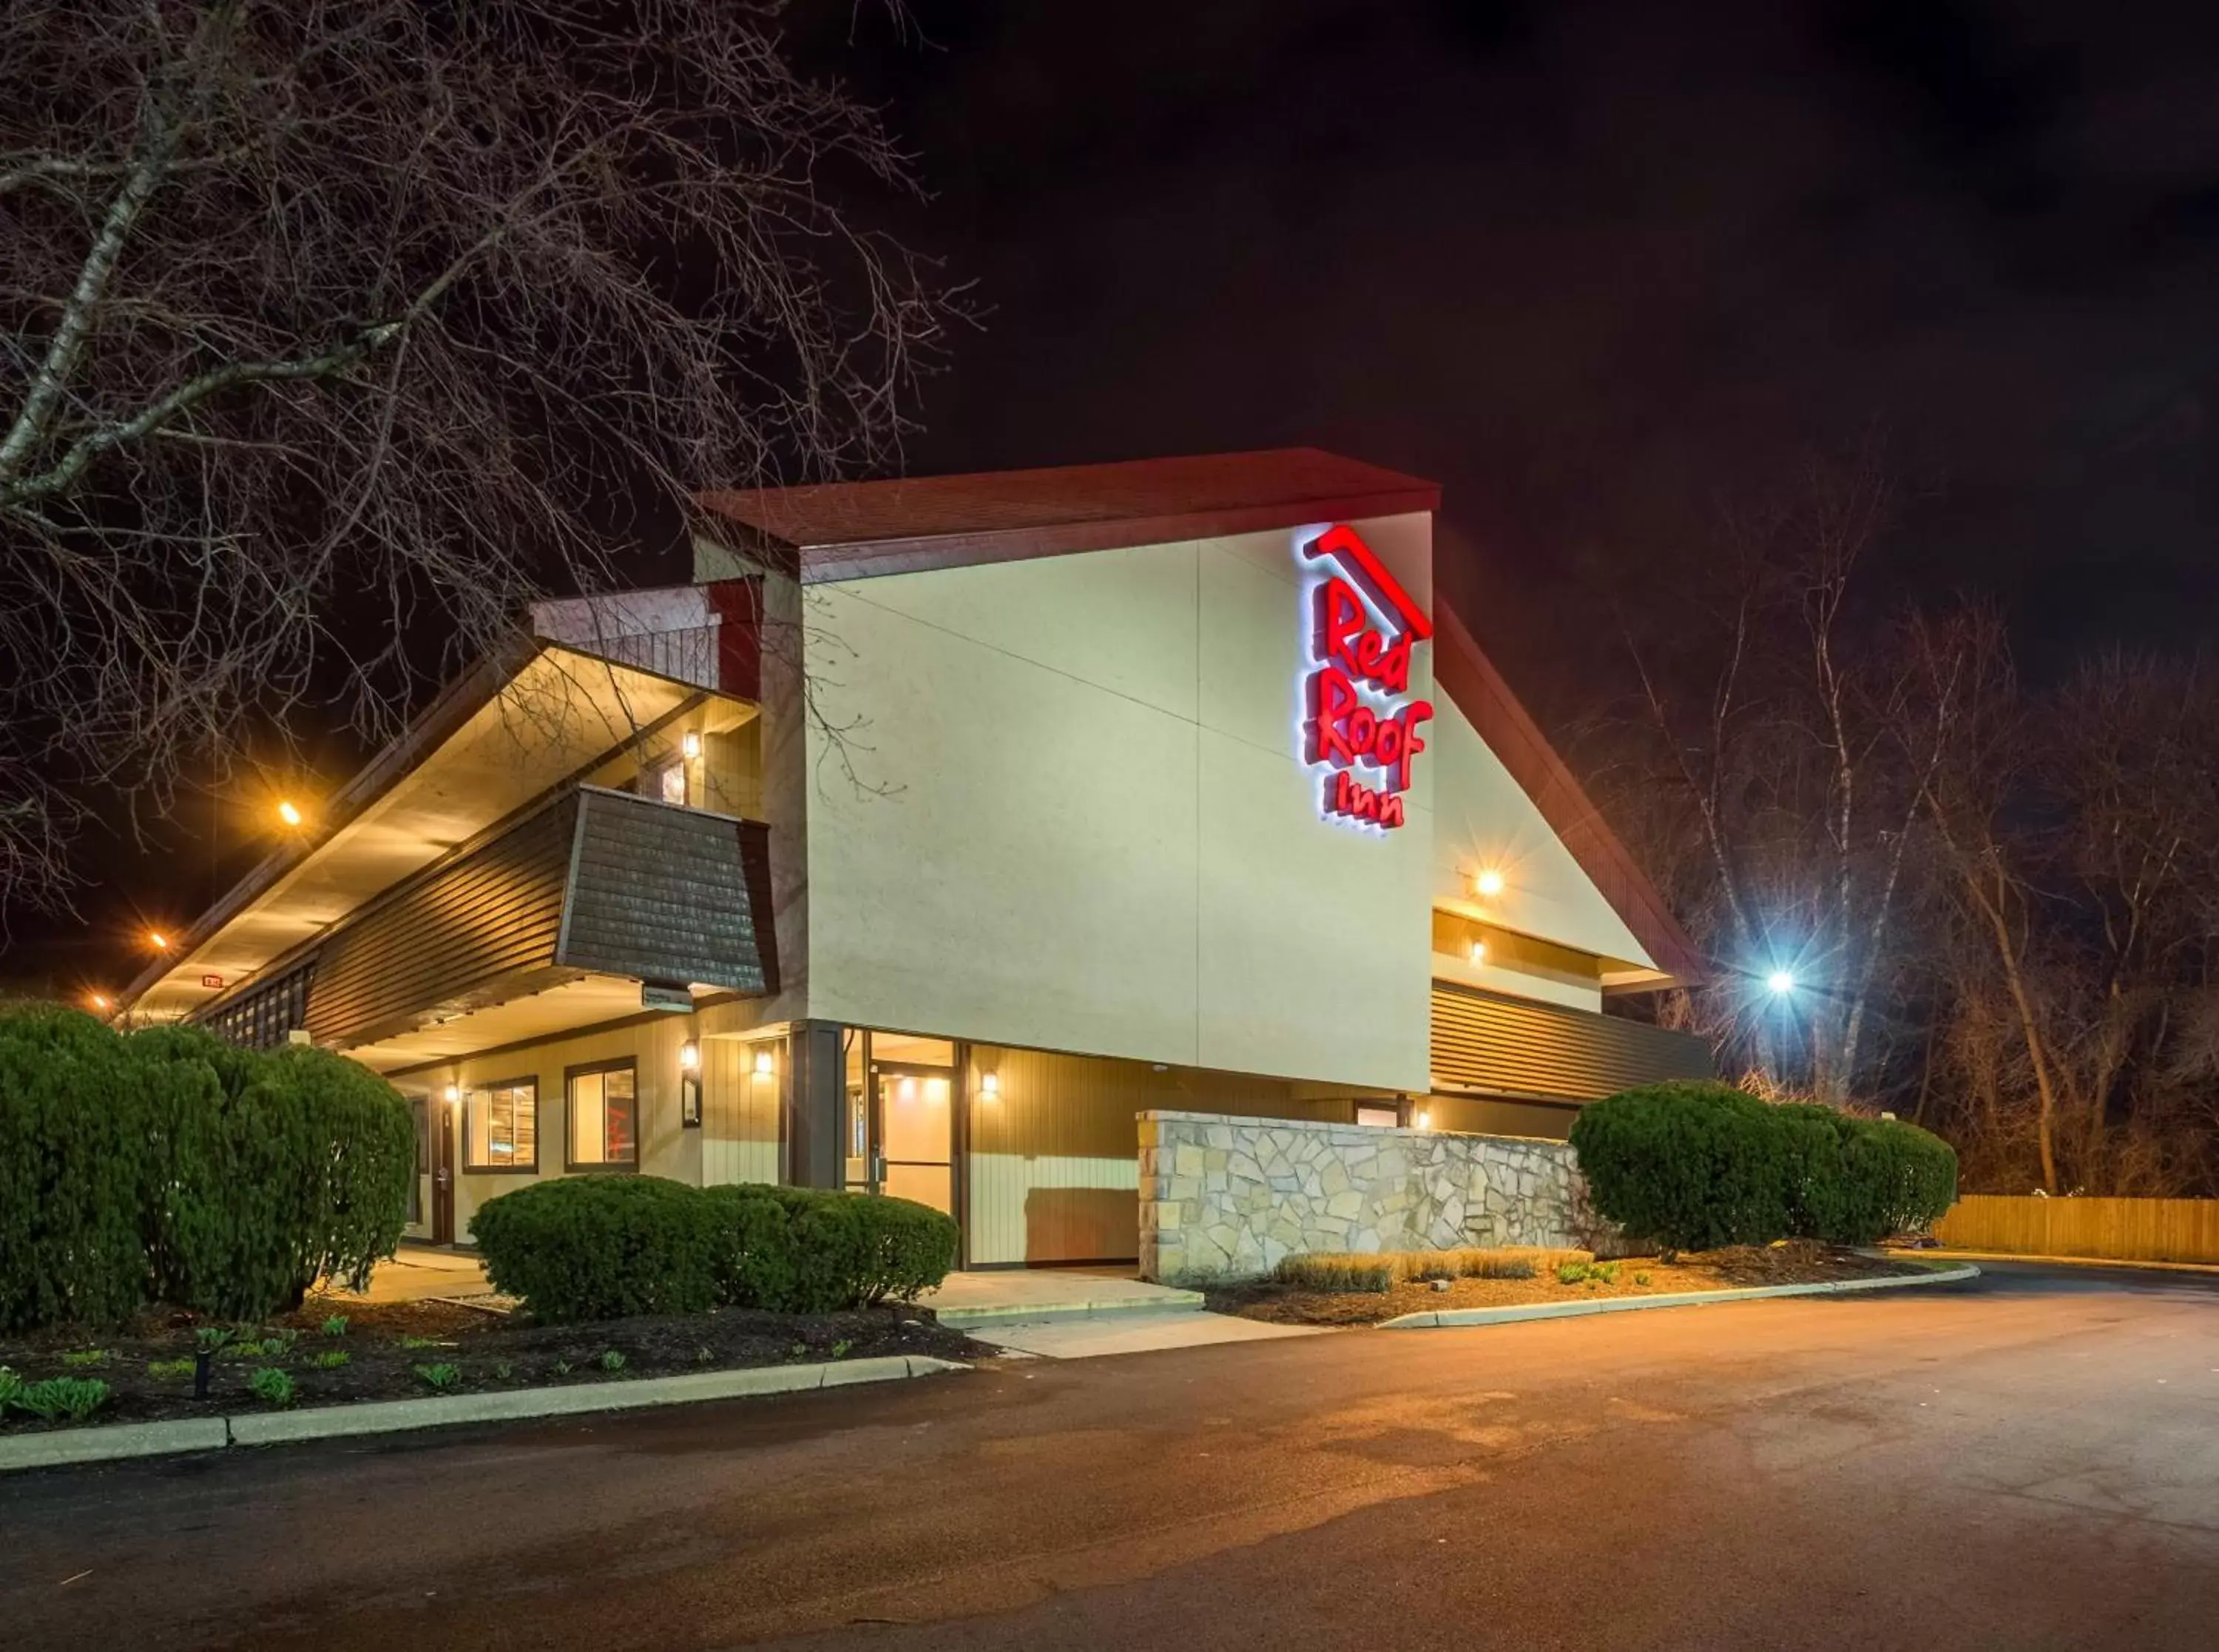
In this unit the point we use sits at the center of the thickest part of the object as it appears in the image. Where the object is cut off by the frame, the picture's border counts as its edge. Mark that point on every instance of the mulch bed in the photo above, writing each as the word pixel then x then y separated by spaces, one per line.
pixel 1794 1263
pixel 489 1350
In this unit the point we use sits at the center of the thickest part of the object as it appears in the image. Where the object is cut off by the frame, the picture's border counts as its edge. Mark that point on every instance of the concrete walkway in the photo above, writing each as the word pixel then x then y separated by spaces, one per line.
pixel 1003 1296
pixel 1133 1333
pixel 416 1271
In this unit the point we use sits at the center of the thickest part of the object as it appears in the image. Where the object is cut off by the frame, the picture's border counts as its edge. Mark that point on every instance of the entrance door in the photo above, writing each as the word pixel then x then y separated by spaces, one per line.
pixel 913 1127
pixel 443 1173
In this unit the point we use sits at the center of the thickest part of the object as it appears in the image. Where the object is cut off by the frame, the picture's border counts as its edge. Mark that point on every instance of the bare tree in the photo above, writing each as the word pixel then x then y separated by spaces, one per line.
pixel 328 328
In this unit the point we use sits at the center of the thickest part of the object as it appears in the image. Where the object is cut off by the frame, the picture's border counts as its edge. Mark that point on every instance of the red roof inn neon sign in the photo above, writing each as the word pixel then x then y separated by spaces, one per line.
pixel 1353 662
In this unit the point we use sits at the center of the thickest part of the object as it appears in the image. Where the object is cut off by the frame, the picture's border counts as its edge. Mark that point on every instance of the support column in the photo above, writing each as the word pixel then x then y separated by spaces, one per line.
pixel 815 1081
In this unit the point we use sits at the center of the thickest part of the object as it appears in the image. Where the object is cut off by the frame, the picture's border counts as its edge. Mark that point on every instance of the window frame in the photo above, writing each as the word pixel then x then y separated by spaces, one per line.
pixel 475 1095
pixel 586 1070
pixel 1401 1109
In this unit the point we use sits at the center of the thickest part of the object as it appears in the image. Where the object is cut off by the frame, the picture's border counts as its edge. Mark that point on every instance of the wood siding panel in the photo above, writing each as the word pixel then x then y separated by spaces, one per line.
pixel 1054 1162
pixel 441 939
pixel 1499 1045
pixel 665 894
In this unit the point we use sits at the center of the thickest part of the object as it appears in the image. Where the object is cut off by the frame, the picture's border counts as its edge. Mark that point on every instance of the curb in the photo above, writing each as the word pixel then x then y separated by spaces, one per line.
pixel 970 1319
pixel 119 1440
pixel 1450 1317
pixel 1951 1254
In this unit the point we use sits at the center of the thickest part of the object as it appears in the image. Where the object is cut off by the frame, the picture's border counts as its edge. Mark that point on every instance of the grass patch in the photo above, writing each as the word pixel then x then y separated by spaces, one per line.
pixel 169 1370
pixel 1382 1270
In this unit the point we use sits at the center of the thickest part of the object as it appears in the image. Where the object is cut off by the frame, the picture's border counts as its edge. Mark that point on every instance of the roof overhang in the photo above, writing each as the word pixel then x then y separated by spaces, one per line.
pixel 507 734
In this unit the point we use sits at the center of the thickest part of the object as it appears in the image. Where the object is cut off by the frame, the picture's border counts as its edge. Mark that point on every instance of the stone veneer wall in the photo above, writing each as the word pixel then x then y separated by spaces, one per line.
pixel 1224 1197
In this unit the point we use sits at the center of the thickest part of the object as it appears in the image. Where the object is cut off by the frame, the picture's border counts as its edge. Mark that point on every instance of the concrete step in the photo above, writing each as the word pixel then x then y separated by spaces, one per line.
pixel 1030 1308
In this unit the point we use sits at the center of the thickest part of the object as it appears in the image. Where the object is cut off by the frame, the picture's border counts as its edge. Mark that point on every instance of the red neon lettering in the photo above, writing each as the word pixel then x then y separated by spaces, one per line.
pixel 1343 544
pixel 1341 729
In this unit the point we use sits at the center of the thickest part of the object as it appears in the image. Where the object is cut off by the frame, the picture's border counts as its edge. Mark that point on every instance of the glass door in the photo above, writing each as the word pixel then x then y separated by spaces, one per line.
pixel 898 1129
pixel 916 1118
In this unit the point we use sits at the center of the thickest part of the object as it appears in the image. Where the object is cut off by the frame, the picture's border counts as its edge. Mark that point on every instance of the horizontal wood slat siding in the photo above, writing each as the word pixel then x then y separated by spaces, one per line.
pixel 492 913
pixel 663 894
pixel 1515 1046
pixel 2123 1230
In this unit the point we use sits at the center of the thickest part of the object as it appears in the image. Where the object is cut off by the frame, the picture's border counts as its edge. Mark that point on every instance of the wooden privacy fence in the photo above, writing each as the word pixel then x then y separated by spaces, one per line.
pixel 2124 1230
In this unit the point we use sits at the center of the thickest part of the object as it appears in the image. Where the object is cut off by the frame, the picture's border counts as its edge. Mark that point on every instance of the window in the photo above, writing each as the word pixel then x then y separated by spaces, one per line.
pixel 665 781
pixel 1385 1113
pixel 500 1126
pixel 603 1110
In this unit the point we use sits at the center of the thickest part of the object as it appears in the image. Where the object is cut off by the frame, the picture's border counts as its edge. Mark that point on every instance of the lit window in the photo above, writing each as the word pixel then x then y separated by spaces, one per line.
pixel 501 1127
pixel 1387 1116
pixel 672 783
pixel 604 1116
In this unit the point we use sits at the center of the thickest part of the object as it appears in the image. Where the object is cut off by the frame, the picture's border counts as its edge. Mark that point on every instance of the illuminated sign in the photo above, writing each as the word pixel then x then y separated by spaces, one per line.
pixel 1357 711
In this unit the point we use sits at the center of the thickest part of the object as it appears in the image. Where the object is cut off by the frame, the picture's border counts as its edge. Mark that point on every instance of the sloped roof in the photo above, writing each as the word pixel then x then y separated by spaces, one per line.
pixel 843 530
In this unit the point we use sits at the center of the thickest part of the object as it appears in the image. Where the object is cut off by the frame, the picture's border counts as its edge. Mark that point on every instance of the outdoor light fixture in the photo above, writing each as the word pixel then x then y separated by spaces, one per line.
pixel 158 940
pixel 1780 982
pixel 289 811
pixel 1479 952
pixel 454 1094
pixel 100 1000
pixel 1423 1120
pixel 689 1056
pixel 1487 884
pixel 990 1086
pixel 765 1063
pixel 691 744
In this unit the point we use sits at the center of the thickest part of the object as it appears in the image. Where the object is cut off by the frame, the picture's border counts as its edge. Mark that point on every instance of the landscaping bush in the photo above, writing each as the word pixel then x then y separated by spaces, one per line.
pixel 1695 1165
pixel 1692 1165
pixel 74 1152
pixel 601 1247
pixel 815 1250
pixel 1327 1270
pixel 269 1170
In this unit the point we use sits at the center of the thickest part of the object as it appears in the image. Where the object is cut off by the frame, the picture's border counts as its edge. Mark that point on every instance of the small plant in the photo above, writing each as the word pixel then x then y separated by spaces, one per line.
pixel 1641 1278
pixel 424 1342
pixel 212 1338
pixel 272 1386
pixel 1604 1273
pixel 62 1398
pixel 249 1348
pixel 800 1351
pixel 561 1368
pixel 279 1342
pixel 336 1326
pixel 702 1356
pixel 503 1370
pixel 1327 1272
pixel 440 1378
pixel 10 1386
pixel 329 1359
pixel 165 1370
pixel 840 1348
pixel 83 1359
pixel 611 1360
pixel 1571 1273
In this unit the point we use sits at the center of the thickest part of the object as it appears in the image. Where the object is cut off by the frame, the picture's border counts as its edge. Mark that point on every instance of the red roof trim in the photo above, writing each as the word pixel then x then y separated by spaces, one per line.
pixel 850 530
pixel 1469 678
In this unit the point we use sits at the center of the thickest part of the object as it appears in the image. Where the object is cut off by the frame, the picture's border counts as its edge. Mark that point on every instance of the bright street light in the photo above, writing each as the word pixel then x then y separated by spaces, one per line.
pixel 1781 981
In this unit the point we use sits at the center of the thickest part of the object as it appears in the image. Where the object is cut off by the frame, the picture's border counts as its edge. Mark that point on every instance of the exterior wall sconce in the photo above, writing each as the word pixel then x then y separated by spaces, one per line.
pixel 1486 883
pixel 1479 952
pixel 690 743
pixel 289 812
pixel 765 1063
pixel 989 1086
pixel 1421 1119
pixel 689 1057
pixel 454 1094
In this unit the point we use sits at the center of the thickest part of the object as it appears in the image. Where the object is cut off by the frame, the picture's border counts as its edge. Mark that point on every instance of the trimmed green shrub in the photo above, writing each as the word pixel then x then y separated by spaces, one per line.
pixel 62 1398
pixel 601 1247
pixel 1695 1165
pixel 73 1160
pixel 1691 1164
pixel 816 1251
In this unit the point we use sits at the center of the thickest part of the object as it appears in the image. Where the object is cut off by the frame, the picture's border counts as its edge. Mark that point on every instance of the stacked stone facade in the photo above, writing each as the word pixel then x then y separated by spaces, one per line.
pixel 1225 1198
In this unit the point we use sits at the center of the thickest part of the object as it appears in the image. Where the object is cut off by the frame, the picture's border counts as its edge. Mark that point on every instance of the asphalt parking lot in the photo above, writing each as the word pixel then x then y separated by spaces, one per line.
pixel 2027 1461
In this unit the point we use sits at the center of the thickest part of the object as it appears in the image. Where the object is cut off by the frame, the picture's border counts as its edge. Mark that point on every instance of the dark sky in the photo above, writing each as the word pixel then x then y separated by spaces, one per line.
pixel 1592 266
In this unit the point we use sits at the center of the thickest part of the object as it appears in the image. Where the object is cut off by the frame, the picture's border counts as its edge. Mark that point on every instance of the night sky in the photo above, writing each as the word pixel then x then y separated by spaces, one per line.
pixel 1593 267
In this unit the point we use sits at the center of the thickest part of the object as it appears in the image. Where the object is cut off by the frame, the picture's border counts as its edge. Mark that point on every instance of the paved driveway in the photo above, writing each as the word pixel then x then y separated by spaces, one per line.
pixel 2032 1460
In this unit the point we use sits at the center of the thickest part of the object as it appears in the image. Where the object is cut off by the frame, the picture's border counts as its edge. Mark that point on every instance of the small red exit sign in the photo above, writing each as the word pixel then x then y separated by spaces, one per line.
pixel 211 980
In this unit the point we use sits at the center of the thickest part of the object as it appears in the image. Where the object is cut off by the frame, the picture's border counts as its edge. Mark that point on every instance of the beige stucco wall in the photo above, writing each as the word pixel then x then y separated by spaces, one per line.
pixel 1482 818
pixel 1078 817
pixel 1225 1198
